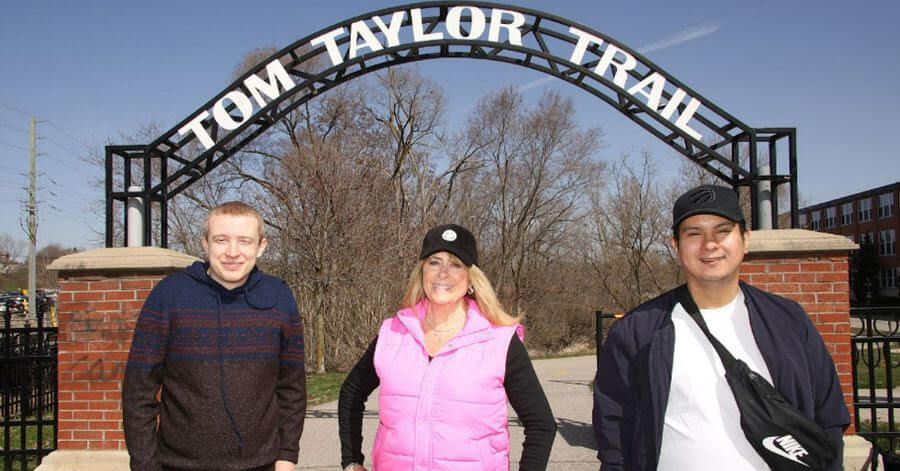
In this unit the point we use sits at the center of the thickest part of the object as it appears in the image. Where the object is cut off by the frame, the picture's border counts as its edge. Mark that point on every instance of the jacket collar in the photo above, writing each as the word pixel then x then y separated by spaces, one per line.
pixel 258 292
pixel 476 329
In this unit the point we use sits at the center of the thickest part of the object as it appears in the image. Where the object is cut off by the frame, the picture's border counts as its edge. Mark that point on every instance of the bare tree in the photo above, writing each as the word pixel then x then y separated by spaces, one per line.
pixel 538 165
pixel 331 207
pixel 16 276
pixel 348 182
pixel 408 108
pixel 629 252
pixel 11 250
pixel 43 258
pixel 690 175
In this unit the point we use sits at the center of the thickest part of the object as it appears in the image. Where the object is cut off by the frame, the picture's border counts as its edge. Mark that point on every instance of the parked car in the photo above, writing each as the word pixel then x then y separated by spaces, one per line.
pixel 15 304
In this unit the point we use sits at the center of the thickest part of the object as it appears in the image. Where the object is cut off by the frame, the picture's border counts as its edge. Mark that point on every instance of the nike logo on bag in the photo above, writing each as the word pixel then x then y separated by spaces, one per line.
pixel 787 447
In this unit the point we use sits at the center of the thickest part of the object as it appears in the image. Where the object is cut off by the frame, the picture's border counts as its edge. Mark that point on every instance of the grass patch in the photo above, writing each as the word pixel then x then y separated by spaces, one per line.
pixel 883 444
pixel 880 371
pixel 16 464
pixel 551 355
pixel 322 388
pixel 31 443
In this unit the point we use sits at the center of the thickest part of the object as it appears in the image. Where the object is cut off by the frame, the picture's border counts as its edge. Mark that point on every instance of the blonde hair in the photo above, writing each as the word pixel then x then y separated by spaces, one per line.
pixel 484 294
pixel 234 208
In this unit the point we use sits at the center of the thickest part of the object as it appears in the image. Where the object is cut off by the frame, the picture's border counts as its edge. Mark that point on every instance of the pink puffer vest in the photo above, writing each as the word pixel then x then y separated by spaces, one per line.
pixel 449 413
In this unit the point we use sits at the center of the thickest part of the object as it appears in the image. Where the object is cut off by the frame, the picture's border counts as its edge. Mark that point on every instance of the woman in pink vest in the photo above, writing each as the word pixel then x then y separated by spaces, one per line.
pixel 446 365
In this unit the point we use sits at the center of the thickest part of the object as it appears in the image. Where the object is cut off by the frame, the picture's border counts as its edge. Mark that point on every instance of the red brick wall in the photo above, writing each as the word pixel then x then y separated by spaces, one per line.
pixel 97 315
pixel 820 283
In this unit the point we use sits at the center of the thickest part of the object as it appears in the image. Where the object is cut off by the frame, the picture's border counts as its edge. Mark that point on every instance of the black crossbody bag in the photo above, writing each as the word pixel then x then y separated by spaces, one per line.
pixel 782 435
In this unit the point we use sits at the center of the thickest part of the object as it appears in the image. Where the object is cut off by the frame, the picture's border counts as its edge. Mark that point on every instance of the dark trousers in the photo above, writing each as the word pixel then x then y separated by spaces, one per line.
pixel 268 467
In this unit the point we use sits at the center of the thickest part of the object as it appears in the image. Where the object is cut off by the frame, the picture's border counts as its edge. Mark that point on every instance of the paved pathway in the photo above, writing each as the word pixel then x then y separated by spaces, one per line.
pixel 566 381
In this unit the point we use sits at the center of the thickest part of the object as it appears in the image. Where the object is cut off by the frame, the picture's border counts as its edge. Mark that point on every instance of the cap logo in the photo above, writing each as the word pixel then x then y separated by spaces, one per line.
pixel 703 197
pixel 449 235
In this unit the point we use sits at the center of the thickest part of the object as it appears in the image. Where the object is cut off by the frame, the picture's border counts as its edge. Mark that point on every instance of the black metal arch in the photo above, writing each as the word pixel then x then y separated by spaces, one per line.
pixel 547 42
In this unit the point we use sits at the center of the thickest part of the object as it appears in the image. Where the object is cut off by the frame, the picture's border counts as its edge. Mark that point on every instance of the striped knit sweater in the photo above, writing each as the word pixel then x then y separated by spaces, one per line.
pixel 231 367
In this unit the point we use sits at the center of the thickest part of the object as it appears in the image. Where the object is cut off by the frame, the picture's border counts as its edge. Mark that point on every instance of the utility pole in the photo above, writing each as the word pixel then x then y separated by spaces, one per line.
pixel 32 224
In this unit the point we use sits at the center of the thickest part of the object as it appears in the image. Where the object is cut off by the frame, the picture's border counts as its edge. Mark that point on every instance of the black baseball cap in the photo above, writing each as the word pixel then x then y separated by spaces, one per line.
pixel 707 199
pixel 451 238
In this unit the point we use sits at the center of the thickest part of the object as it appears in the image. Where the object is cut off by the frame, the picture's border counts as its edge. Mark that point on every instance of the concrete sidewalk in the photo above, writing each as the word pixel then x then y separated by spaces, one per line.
pixel 566 381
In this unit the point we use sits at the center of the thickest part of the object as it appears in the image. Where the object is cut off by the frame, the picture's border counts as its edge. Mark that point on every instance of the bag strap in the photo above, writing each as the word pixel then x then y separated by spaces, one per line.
pixel 687 302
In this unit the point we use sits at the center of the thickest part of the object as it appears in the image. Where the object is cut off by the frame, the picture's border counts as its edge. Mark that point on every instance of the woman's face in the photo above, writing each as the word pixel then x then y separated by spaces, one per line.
pixel 445 278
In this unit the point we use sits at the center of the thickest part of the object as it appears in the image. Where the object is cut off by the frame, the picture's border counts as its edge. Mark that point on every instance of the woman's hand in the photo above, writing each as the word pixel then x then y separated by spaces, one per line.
pixel 355 467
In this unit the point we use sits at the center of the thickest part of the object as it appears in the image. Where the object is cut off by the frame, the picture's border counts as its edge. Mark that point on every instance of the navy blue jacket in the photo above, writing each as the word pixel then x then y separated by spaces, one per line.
pixel 231 366
pixel 634 375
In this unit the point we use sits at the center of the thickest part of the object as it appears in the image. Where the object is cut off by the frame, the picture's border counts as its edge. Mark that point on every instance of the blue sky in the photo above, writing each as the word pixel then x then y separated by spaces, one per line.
pixel 95 70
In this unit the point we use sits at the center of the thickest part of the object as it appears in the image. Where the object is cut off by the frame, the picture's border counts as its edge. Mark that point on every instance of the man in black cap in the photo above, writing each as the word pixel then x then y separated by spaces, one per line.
pixel 660 396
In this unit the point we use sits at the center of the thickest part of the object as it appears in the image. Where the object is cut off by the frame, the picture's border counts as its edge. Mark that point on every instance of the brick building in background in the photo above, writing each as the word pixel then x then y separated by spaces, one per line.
pixel 873 215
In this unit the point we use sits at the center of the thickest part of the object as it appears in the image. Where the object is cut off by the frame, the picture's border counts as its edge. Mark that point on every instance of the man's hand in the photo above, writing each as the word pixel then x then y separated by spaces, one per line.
pixel 282 465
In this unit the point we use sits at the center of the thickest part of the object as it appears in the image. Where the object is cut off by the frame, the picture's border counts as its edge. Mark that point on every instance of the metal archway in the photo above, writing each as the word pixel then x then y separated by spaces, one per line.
pixel 564 49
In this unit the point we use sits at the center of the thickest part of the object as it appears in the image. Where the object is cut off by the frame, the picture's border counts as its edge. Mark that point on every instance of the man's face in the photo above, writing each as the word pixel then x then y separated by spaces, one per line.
pixel 711 248
pixel 232 246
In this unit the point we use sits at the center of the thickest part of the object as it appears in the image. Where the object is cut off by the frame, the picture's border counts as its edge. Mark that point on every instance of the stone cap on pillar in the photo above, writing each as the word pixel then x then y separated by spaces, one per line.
pixel 119 259
pixel 773 241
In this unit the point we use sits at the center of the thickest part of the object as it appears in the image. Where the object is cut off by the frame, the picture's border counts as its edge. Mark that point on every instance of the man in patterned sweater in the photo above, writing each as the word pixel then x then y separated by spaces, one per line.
pixel 224 343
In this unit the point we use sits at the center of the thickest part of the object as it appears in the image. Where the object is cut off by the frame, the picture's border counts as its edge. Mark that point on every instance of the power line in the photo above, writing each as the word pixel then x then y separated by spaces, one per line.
pixel 61 146
pixel 9 196
pixel 62 200
pixel 65 164
pixel 66 193
pixel 54 189
pixel 51 123
pixel 14 146
pixel 63 215
pixel 68 135
pixel 30 115
pixel 8 178
pixel 64 187
pixel 14 128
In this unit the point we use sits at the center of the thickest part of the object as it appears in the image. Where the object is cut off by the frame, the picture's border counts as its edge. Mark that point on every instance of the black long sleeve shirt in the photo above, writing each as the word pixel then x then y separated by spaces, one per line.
pixel 522 388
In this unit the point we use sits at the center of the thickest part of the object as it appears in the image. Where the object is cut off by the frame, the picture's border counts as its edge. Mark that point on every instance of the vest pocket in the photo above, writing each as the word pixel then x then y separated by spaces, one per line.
pixel 490 459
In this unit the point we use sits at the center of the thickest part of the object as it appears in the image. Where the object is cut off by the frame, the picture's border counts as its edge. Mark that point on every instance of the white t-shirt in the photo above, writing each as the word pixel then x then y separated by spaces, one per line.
pixel 702 427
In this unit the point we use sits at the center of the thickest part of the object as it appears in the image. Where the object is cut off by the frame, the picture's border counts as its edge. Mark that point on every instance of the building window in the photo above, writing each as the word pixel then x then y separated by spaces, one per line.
pixel 831 217
pixel 803 220
pixel 886 242
pixel 814 220
pixel 887 278
pixel 886 205
pixel 866 238
pixel 865 210
pixel 846 214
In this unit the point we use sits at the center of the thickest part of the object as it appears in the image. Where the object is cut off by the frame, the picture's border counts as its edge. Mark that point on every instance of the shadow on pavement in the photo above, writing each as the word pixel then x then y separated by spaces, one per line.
pixel 573 382
pixel 577 434
pixel 332 414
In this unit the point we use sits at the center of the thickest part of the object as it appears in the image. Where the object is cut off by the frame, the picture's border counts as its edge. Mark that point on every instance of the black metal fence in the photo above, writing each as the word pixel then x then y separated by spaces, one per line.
pixel 29 393
pixel 875 346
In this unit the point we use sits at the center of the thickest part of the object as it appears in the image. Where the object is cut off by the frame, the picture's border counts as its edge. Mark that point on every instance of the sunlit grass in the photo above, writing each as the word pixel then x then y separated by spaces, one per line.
pixel 322 388
pixel 31 442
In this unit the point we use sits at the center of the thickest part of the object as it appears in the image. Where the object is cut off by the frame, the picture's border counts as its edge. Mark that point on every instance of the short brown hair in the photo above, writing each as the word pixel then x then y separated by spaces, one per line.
pixel 234 208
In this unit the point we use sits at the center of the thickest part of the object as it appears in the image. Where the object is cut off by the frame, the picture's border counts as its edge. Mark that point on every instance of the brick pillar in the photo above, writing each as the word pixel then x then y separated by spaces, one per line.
pixel 101 294
pixel 810 268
